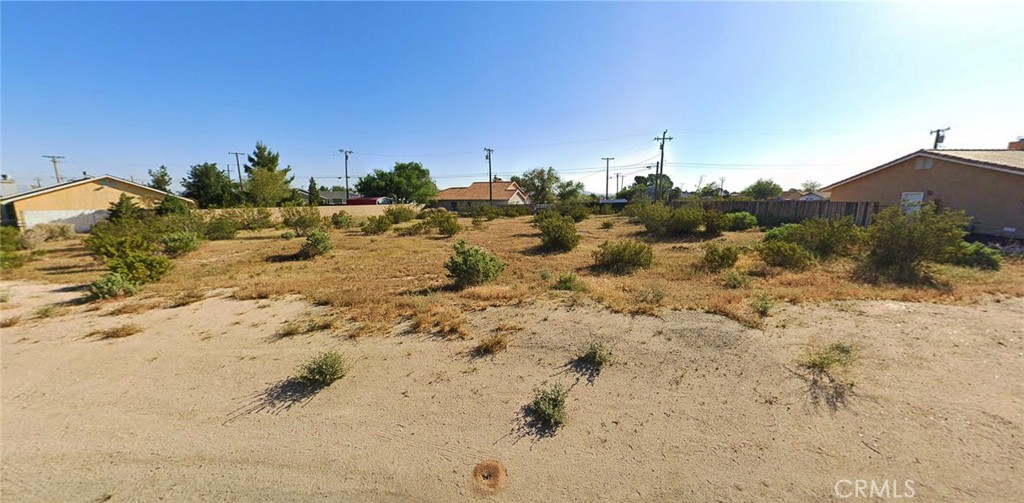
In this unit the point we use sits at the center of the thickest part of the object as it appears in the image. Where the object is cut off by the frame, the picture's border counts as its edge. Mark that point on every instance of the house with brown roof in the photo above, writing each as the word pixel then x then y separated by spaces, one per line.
pixel 80 203
pixel 478 193
pixel 987 184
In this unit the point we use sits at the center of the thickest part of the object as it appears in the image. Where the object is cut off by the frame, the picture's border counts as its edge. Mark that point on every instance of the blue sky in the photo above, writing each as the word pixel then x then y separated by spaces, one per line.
pixel 790 91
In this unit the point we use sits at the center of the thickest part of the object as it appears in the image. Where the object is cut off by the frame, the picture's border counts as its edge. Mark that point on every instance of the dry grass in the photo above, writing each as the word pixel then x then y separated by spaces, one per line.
pixel 10 321
pixel 440 319
pixel 51 311
pixel 307 325
pixel 493 344
pixel 118 332
pixel 135 307
pixel 379 280
pixel 187 297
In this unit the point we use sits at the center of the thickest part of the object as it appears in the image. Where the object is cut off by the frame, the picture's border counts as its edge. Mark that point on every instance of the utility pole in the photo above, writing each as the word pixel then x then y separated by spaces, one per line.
pixel 940 137
pixel 490 178
pixel 55 159
pixel 238 166
pixel 617 188
pixel 721 186
pixel 661 165
pixel 346 152
pixel 39 182
pixel 606 176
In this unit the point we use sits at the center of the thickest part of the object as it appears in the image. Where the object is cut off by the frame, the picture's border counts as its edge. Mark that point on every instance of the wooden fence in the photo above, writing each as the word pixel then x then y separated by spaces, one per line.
pixel 773 212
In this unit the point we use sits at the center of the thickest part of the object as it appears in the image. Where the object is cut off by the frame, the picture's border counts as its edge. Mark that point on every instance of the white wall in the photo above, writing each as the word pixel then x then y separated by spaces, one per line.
pixel 82 220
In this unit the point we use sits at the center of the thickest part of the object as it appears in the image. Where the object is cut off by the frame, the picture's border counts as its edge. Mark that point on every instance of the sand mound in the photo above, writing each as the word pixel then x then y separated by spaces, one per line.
pixel 490 476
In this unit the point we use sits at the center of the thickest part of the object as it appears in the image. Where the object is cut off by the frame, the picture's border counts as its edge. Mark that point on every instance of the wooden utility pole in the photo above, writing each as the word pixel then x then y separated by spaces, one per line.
pixel 606 175
pixel 490 178
pixel 55 159
pixel 661 165
pixel 346 152
pixel 238 166
pixel 940 137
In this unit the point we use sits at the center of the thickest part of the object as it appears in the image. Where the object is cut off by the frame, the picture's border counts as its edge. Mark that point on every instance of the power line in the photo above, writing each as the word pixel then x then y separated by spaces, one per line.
pixel 940 137
pixel 55 159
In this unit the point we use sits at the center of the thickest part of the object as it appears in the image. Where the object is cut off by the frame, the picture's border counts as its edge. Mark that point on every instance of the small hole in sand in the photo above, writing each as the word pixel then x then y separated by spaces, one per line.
pixel 490 475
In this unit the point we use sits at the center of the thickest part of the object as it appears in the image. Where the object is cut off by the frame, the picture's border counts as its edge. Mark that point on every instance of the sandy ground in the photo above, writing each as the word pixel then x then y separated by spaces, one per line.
pixel 694 408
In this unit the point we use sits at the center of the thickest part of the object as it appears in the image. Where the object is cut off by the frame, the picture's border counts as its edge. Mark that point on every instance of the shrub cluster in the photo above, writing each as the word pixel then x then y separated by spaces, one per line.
pixel 323 370
pixel 624 256
pixel 741 221
pixel 446 224
pixel 180 243
pixel 222 227
pixel 569 282
pixel 251 219
pixel 399 213
pixel 301 219
pixel 376 225
pixel 975 255
pixel 717 257
pixel 317 243
pixel 489 212
pixel 784 254
pixel 661 220
pixel 572 208
pixel 557 232
pixel 900 243
pixel 471 265
pixel 342 220
pixel 112 285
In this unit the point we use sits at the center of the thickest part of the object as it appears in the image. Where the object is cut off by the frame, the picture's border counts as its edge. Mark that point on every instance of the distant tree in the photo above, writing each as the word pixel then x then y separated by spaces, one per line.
pixel 763 189
pixel 710 190
pixel 337 188
pixel 314 193
pixel 569 190
pixel 160 179
pixel 810 186
pixel 540 184
pixel 407 182
pixel 268 185
pixel 172 206
pixel 124 209
pixel 209 187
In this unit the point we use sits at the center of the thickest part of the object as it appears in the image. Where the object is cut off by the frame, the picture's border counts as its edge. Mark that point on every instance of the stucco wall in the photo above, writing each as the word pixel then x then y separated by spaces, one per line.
pixel 78 204
pixel 995 199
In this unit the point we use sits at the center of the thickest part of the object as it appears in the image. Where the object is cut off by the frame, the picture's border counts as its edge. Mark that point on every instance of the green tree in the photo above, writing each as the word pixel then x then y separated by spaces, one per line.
pixel 810 186
pixel 407 182
pixel 569 190
pixel 268 184
pixel 763 189
pixel 172 206
pixel 124 209
pixel 314 192
pixel 160 179
pixel 710 190
pixel 209 187
pixel 540 184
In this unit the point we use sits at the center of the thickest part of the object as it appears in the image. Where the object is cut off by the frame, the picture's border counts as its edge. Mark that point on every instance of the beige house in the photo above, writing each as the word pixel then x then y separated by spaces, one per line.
pixel 80 203
pixel 503 193
pixel 987 184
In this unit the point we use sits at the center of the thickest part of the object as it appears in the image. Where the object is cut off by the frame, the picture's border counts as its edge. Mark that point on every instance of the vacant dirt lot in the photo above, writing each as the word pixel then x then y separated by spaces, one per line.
pixel 695 407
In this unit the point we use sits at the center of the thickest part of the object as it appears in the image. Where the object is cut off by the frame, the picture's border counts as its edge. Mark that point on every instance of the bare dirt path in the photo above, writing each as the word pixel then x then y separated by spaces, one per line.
pixel 694 408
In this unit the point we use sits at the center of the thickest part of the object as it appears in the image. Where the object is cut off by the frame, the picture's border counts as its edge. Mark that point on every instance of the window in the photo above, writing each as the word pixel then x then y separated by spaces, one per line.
pixel 923 163
pixel 911 201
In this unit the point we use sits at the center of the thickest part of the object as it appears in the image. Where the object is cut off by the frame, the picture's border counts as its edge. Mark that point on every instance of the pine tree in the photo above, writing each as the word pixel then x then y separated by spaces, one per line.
pixel 267 185
pixel 124 209
pixel 160 179
pixel 314 193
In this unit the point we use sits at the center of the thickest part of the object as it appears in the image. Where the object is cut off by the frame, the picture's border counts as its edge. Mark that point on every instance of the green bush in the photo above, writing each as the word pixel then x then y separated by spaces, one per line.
pixel 569 282
pixel 416 229
pixel 447 224
pixel 112 285
pixel 780 233
pixel 140 268
pixel 717 257
pixel 9 238
pixel 301 219
pixel 472 265
pixel 222 227
pixel 111 240
pixel 287 235
pixel 177 244
pixel 900 243
pixel 323 370
pixel 342 220
pixel 399 213
pixel 56 232
pixel 715 223
pixel 572 208
pixel 734 279
pixel 654 217
pixel 252 219
pixel 317 243
pixel 484 211
pixel 178 223
pixel 683 221
pixel 607 224
pixel 624 256
pixel 762 305
pixel 558 233
pixel 784 254
pixel 11 260
pixel 376 225
pixel 548 406
pixel 596 355
pixel 172 206
pixel 741 221
pixel 975 255
pixel 823 237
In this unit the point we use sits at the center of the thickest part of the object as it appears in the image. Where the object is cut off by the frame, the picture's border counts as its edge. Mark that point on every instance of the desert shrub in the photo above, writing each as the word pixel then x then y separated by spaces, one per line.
pixel 715 223
pixel 140 267
pixel 684 221
pixel 323 370
pixel 113 285
pixel 636 207
pixel 762 305
pixel 477 223
pixel 177 244
pixel 471 265
pixel 301 219
pixel 734 279
pixel 785 255
pixel 572 208
pixel 9 238
pixel 111 240
pixel 252 219
pixel 570 282
pixel 31 239
pixel 607 224
pixel 376 225
pixel 900 243
pixel 177 222
pixel 287 235
pixel 399 213
pixel 829 358
pixel 222 227
pixel 515 210
pixel 125 209
pixel 548 406
pixel 780 233
pixel 654 217
pixel 484 211
pixel 11 260
pixel 650 296
pixel 823 237
pixel 342 220
pixel 975 255
pixel 416 229
pixel 596 355
pixel 717 257
pixel 558 233
pixel 56 232
pixel 494 344
pixel 317 243
pixel 172 206
pixel 741 221
pixel 447 224
pixel 624 256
